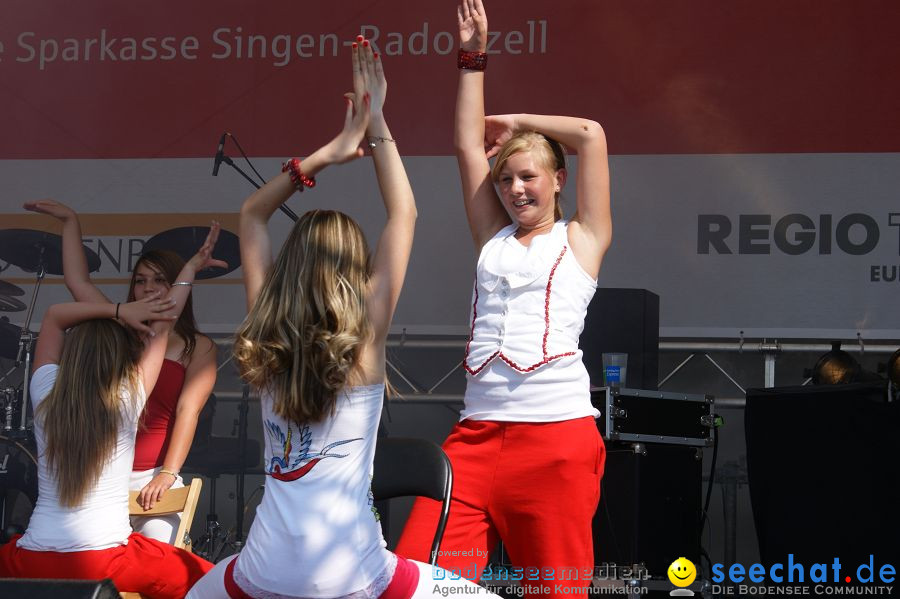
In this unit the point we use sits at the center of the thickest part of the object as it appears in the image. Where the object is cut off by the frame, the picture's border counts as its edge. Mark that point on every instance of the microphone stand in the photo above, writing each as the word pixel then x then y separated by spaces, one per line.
pixel 226 160
pixel 26 347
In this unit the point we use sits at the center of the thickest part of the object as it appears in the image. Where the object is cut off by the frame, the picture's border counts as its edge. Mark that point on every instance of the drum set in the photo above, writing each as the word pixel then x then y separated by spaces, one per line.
pixel 41 253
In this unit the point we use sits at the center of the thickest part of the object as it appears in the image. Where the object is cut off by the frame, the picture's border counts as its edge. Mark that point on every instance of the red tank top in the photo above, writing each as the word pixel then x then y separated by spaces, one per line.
pixel 158 418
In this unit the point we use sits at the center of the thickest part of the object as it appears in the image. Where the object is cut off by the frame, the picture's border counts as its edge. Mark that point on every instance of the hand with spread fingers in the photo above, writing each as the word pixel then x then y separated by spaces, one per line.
pixel 153 307
pixel 203 258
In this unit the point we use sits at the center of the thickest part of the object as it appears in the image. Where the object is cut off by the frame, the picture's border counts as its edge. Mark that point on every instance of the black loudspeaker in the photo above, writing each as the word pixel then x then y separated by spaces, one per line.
pixel 650 506
pixel 47 588
pixel 627 321
pixel 822 463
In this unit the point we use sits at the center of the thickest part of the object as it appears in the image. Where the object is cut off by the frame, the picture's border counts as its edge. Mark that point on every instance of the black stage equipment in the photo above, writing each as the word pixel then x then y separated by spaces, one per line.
pixel 212 456
pixel 837 367
pixel 650 506
pixel 893 368
pixel 627 321
pixel 48 588
pixel 650 501
pixel 185 241
pixel 823 470
pixel 222 157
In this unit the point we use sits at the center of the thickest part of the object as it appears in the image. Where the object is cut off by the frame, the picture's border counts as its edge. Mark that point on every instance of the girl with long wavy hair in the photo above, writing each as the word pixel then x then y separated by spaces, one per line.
pixel 313 345
pixel 90 382
pixel 526 454
pixel 185 382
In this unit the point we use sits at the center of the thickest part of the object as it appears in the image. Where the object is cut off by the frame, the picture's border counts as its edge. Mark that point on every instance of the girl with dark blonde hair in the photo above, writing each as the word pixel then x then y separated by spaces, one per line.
pixel 313 345
pixel 185 382
pixel 88 389
pixel 526 454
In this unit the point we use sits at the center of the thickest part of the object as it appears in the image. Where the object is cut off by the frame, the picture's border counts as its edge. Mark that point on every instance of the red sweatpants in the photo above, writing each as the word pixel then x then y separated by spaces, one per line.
pixel 143 565
pixel 533 485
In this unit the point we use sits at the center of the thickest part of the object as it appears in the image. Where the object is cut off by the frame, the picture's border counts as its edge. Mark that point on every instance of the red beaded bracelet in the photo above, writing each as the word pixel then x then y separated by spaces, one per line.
pixel 292 167
pixel 473 61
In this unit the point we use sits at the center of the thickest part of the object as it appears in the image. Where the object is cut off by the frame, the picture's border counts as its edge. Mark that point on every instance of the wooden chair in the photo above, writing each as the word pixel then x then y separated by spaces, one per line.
pixel 182 500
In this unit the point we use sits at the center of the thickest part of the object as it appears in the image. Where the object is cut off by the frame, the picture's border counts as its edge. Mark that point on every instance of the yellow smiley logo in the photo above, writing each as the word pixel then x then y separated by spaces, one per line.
pixel 682 572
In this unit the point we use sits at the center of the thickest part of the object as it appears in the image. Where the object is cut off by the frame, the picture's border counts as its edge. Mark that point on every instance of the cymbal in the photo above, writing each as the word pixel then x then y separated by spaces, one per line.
pixel 10 304
pixel 185 241
pixel 10 289
pixel 29 249
pixel 9 339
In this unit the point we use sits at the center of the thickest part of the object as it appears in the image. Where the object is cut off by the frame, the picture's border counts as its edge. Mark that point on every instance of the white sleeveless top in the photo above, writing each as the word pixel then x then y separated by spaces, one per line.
pixel 316 532
pixel 528 307
pixel 101 520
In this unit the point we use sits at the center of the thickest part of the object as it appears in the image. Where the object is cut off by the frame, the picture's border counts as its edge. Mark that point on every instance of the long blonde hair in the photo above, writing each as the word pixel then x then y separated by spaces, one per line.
pixel 303 337
pixel 549 152
pixel 82 414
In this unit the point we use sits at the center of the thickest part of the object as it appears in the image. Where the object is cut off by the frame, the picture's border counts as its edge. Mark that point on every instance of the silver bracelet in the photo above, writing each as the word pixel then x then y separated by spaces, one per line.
pixel 185 283
pixel 374 138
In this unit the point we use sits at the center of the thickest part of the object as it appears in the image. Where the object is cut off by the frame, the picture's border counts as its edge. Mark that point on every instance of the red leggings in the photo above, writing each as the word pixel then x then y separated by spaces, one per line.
pixel 143 565
pixel 533 485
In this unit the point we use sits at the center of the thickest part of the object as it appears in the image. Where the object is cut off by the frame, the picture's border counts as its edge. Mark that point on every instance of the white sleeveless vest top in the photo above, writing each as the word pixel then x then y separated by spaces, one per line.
pixel 528 307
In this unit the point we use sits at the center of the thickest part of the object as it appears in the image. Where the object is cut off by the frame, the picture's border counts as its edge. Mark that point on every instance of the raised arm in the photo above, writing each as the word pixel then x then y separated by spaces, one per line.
pixel 484 211
pixel 392 252
pixel 155 351
pixel 200 376
pixel 60 317
pixel 75 267
pixel 256 247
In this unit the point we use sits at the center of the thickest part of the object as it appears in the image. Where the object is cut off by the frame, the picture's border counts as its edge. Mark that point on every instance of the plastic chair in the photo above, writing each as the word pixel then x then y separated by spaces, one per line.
pixel 414 467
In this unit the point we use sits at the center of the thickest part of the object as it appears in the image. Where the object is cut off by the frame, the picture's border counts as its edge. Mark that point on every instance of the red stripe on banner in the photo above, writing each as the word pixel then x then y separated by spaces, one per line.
pixel 695 76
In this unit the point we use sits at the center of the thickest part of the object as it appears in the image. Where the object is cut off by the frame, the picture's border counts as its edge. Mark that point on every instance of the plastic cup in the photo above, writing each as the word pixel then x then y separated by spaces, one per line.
pixel 615 368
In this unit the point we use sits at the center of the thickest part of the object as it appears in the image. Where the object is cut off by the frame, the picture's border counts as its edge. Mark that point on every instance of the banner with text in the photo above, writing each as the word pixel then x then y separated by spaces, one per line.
pixel 755 161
